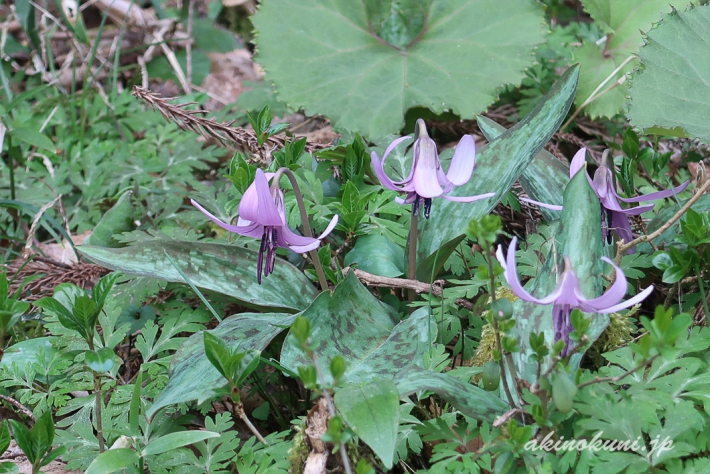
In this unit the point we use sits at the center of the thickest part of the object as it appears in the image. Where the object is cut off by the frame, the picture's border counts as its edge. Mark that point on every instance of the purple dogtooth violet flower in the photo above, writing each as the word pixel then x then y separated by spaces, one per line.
pixel 262 216
pixel 426 179
pixel 568 294
pixel 614 217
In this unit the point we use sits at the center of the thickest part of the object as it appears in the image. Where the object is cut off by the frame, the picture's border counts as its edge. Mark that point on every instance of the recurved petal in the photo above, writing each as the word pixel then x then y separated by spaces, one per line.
pixel 657 195
pixel 628 303
pixel 511 275
pixel 381 165
pixel 614 294
pixel 254 229
pixel 329 229
pixel 468 198
pixel 297 243
pixel 554 207
pixel 577 162
pixel 635 211
pixel 463 161
pixel 380 172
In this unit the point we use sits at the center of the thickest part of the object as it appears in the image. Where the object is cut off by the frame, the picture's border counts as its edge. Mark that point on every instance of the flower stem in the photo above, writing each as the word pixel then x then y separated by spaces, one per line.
pixel 239 412
pixel 412 258
pixel 496 333
pixel 97 412
pixel 304 220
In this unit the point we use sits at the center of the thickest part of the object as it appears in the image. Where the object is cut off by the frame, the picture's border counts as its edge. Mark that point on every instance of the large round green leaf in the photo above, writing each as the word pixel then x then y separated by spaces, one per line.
pixel 672 87
pixel 621 20
pixel 363 63
pixel 226 269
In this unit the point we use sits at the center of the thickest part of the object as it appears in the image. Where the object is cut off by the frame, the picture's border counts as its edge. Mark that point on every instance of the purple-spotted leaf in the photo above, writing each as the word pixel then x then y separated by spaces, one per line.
pixel 226 269
pixel 579 238
pixel 364 331
pixel 193 377
pixel 466 398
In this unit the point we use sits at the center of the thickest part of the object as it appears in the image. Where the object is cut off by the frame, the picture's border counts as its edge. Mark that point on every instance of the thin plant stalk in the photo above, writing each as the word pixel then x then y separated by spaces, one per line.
pixel 239 412
pixel 499 346
pixel 412 259
pixel 97 406
pixel 304 220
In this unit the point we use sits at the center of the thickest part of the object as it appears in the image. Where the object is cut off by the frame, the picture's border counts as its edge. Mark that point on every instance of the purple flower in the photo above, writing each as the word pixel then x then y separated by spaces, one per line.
pixel 568 294
pixel 426 179
pixel 261 216
pixel 614 217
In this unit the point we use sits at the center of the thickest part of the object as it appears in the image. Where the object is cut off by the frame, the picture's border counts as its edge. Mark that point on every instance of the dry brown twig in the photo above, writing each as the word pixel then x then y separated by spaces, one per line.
pixel 224 133
pixel 437 288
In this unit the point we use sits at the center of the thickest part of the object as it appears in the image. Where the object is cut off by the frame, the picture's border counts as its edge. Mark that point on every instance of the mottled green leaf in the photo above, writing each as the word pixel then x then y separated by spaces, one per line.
pixel 671 88
pixel 372 412
pixel 378 255
pixel 467 398
pixel 544 179
pixel 192 376
pixel 363 84
pixel 621 20
pixel 226 269
pixel 357 326
pixel 580 239
pixel 498 165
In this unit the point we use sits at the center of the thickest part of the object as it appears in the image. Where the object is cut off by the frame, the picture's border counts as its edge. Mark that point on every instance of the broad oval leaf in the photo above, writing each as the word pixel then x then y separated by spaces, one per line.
pixel 372 412
pixel 454 58
pixel 193 377
pixel 498 165
pixel 355 325
pixel 112 461
pixel 671 87
pixel 466 398
pixel 226 269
